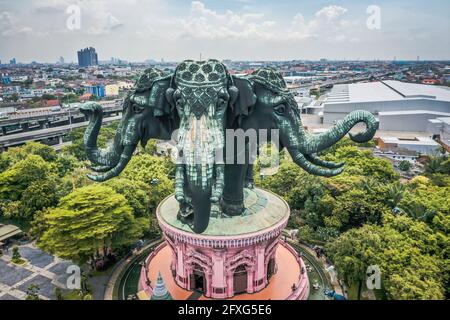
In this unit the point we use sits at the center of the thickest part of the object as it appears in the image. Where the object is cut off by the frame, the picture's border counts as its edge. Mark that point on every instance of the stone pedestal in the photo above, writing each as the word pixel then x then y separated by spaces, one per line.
pixel 235 255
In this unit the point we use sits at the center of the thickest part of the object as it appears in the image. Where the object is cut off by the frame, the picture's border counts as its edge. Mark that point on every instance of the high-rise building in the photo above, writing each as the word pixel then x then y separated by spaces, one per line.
pixel 12 61
pixel 87 57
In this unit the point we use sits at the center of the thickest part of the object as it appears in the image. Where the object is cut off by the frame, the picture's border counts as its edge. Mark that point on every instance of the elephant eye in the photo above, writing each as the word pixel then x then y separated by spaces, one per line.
pixel 280 109
pixel 179 104
pixel 222 103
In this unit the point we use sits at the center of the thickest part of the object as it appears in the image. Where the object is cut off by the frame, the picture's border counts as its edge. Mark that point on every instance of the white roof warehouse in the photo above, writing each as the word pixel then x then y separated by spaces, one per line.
pixel 398 106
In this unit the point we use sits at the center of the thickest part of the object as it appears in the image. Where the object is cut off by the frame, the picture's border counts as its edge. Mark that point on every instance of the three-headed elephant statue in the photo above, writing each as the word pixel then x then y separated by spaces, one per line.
pixel 198 105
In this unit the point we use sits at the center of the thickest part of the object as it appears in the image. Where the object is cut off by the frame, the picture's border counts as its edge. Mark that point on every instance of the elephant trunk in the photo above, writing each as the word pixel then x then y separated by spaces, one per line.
pixel 310 144
pixel 199 177
pixel 108 157
pixel 114 159
pixel 202 191
pixel 202 208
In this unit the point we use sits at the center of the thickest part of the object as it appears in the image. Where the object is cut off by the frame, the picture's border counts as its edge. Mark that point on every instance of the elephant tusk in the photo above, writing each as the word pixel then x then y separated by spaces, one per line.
pixel 327 164
pixel 219 183
pixel 124 159
pixel 309 167
pixel 101 168
pixel 179 183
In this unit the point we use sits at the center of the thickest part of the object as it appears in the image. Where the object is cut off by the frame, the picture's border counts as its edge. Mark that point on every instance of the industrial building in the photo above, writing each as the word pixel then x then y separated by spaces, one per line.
pixel 440 130
pixel 398 106
pixel 404 147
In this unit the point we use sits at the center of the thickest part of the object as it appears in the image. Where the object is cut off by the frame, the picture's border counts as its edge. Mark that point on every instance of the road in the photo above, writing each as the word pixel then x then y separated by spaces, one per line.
pixel 20 138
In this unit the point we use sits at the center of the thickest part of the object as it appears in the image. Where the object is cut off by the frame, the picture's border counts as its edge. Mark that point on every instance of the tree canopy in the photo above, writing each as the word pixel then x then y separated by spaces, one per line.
pixel 87 223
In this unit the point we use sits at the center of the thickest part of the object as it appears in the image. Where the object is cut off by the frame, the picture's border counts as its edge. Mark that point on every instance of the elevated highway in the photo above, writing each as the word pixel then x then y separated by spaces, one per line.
pixel 46 135
pixel 30 119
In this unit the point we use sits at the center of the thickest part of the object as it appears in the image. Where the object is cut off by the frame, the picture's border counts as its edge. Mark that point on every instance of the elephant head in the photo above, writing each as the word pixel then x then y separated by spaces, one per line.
pixel 201 93
pixel 146 115
pixel 276 108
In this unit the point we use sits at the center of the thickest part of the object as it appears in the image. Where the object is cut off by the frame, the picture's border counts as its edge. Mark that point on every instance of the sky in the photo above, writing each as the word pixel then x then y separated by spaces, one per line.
pixel 137 30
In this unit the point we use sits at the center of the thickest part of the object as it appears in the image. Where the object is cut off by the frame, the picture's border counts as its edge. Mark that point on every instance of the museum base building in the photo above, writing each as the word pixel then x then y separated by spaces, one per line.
pixel 241 257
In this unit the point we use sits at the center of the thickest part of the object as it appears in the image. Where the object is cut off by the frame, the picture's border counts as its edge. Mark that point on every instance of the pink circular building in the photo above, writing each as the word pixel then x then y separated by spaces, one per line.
pixel 235 257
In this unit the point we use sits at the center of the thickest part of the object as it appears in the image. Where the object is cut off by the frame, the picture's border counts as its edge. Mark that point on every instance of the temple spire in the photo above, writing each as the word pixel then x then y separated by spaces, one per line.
pixel 160 291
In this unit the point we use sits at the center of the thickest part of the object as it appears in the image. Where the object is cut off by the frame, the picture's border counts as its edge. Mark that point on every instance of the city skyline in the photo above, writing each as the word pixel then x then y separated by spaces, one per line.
pixel 136 30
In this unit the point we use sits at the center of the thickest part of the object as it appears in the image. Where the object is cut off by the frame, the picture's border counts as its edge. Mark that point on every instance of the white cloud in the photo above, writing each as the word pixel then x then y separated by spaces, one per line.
pixel 6 21
pixel 331 12
pixel 205 23
pixel 104 24
pixel 9 26
pixel 329 23
pixel 142 29
pixel 51 6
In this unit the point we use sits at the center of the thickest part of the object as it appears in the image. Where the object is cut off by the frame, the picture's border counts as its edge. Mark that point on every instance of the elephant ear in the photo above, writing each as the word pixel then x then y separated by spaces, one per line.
pixel 150 91
pixel 245 99
pixel 157 98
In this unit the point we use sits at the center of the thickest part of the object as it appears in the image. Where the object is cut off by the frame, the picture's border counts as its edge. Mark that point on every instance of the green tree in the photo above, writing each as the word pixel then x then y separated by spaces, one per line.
pixel 16 154
pixel 438 170
pixel 47 96
pixel 17 178
pixel 404 165
pixel 33 292
pixel 363 162
pixel 88 223
pixel 394 194
pixel 76 179
pixel 66 163
pixel 70 98
pixel 28 186
pixel 150 148
pixel 136 192
pixel 408 253
pixel 39 195
pixel 423 202
pixel 355 208
pixel 16 257
pixel 154 172
pixel 354 251
pixel 433 165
